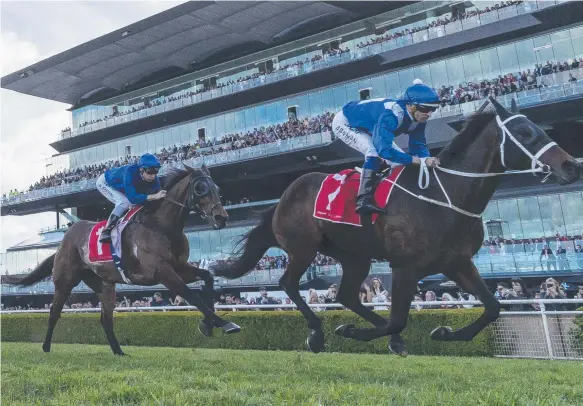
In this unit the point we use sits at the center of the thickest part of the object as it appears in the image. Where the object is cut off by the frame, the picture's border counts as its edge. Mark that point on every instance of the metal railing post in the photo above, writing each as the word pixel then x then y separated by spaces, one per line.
pixel 546 330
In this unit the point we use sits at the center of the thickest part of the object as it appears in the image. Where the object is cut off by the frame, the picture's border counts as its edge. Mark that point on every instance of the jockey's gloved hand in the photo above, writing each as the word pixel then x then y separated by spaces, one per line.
pixel 431 162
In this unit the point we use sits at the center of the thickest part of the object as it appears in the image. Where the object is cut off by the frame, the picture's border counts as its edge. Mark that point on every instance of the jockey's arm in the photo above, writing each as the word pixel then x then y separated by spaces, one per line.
pixel 383 136
pixel 418 142
pixel 130 190
pixel 156 187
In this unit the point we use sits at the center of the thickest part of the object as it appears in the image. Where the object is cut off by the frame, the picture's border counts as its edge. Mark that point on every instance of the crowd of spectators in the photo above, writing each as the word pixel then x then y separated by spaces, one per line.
pixel 450 95
pixel 440 22
pixel 373 292
pixel 292 128
pixel 307 64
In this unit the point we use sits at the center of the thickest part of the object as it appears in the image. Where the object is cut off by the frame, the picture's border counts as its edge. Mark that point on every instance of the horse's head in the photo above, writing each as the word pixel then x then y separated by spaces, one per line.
pixel 524 145
pixel 203 197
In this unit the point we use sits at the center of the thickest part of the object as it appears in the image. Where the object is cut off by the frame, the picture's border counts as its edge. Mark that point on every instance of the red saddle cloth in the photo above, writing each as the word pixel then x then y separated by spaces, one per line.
pixel 99 252
pixel 336 200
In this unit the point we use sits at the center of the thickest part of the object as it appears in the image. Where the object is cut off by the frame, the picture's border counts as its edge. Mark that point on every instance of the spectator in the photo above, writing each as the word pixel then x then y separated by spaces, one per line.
pixel 550 289
pixel 157 300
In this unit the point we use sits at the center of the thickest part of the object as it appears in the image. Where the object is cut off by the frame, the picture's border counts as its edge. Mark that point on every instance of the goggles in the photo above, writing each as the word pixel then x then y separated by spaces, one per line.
pixel 152 171
pixel 426 109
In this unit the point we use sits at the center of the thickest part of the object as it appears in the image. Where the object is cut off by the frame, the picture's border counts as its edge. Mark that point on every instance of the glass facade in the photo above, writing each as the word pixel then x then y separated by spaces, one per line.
pixel 485 64
pixel 281 63
pixel 520 225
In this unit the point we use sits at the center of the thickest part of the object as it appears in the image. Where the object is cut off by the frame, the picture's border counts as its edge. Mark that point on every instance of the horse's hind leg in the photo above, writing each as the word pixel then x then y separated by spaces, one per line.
pixel 106 292
pixel 65 279
pixel 290 283
pixel 466 275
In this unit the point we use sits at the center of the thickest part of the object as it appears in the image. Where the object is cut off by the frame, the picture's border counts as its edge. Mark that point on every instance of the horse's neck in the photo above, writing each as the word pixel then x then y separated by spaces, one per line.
pixel 169 215
pixel 482 156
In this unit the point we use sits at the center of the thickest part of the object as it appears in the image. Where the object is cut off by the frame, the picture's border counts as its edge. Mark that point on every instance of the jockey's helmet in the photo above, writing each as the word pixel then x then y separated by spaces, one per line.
pixel 149 161
pixel 421 95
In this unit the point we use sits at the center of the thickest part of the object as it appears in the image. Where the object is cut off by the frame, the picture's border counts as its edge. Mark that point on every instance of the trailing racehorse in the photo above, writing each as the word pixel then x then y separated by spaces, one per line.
pixel 155 250
pixel 418 236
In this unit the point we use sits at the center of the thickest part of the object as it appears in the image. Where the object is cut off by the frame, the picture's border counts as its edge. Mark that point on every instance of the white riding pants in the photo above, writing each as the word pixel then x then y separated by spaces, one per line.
pixel 359 140
pixel 122 204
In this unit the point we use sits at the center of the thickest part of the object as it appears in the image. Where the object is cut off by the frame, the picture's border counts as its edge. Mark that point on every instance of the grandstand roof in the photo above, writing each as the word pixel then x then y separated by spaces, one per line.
pixel 179 40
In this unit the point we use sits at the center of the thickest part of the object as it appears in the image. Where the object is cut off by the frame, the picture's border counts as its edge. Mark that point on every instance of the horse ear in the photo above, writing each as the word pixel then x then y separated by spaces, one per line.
pixel 514 106
pixel 500 110
pixel 483 106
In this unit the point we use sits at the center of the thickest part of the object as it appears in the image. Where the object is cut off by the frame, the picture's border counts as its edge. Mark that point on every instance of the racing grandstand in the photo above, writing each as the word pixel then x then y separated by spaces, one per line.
pixel 250 90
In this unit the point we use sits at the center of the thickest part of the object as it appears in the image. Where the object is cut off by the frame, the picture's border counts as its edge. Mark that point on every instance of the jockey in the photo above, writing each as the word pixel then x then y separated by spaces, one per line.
pixel 127 186
pixel 370 126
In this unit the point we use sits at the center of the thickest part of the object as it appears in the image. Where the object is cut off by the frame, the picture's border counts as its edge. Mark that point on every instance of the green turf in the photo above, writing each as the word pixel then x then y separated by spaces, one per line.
pixel 91 375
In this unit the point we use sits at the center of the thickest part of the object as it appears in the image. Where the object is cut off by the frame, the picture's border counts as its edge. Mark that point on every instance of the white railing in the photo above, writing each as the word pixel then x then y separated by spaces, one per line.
pixel 540 333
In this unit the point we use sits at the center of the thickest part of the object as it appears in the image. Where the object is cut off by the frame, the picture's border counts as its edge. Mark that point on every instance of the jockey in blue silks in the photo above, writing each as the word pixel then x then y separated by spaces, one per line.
pixel 370 126
pixel 127 186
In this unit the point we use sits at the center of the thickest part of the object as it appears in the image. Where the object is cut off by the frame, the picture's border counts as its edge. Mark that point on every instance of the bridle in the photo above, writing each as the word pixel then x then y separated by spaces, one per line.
pixel 536 167
pixel 198 188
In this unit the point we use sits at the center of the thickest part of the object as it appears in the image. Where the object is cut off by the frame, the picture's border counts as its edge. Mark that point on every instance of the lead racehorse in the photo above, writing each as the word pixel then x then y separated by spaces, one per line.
pixel 427 231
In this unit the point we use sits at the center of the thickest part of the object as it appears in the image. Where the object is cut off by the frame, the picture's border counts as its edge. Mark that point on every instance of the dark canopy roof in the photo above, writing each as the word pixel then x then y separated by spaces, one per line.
pixel 178 40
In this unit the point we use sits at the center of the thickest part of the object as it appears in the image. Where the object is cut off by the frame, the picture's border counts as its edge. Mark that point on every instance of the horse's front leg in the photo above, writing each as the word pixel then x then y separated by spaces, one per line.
pixel 170 278
pixel 190 273
pixel 403 290
pixel 466 275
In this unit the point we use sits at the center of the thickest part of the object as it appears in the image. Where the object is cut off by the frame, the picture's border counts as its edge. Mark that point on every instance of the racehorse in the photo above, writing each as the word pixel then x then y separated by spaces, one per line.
pixel 420 236
pixel 155 250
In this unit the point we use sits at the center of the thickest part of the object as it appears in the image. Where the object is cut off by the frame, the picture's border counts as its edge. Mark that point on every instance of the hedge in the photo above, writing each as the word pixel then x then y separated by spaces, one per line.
pixel 261 330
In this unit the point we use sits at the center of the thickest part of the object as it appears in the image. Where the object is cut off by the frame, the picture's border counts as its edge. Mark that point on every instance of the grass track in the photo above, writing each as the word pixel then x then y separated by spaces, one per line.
pixel 91 375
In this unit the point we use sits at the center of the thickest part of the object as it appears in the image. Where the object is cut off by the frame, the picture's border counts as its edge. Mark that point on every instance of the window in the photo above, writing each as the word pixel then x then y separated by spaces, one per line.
pixel 365 94
pixel 201 135
pixel 292 113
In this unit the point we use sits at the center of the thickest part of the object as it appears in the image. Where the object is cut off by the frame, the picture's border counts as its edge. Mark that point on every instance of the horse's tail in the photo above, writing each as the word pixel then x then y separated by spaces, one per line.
pixel 251 248
pixel 43 270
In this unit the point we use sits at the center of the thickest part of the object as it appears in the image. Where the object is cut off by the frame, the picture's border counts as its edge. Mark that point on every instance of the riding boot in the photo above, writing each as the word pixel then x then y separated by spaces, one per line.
pixel 106 232
pixel 365 200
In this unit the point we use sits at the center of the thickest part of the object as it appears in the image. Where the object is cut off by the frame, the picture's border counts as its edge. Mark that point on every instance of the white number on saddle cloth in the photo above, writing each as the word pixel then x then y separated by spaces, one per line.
pixel 99 244
pixel 332 196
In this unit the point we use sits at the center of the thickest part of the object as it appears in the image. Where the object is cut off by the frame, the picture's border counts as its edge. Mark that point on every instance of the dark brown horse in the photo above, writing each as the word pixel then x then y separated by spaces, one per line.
pixel 154 250
pixel 417 237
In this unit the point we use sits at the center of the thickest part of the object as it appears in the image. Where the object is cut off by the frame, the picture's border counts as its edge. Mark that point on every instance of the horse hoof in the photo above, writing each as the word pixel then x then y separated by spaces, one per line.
pixel 442 334
pixel 121 354
pixel 345 330
pixel 205 329
pixel 231 328
pixel 315 341
pixel 398 349
pixel 46 347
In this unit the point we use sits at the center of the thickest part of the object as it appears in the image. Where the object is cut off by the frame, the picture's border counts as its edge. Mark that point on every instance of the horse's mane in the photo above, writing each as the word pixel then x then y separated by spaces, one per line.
pixel 460 143
pixel 171 177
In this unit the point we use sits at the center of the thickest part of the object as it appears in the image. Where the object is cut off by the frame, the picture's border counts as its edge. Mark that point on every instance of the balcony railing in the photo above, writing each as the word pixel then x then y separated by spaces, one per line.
pixel 307 67
pixel 257 151
pixel 552 89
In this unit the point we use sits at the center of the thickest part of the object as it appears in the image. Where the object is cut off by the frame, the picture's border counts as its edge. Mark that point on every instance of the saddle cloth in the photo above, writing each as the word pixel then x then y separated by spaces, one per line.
pixel 99 252
pixel 336 200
